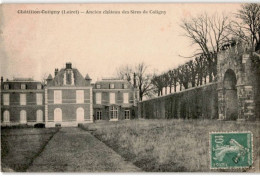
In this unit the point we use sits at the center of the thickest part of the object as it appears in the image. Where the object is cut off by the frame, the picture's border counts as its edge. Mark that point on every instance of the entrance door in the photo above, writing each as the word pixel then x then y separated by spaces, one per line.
pixel 99 115
pixel 23 117
pixel 113 113
pixel 230 95
pixel 80 115
pixel 57 115
pixel 127 114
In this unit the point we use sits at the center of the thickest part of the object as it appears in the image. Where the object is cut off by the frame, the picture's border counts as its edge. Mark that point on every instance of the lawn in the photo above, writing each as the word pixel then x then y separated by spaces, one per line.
pixel 168 145
pixel 19 146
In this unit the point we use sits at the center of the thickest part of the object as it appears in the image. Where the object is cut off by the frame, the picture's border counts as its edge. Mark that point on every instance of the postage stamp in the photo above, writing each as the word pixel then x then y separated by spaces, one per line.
pixel 231 150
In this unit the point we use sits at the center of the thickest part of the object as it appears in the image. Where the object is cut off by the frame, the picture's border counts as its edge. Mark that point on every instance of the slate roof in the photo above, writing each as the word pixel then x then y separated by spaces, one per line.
pixel 78 79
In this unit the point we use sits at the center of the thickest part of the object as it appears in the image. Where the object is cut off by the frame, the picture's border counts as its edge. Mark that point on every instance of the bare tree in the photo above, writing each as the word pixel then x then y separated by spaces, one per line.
pixel 193 72
pixel 43 78
pixel 247 28
pixel 173 79
pixel 125 72
pixel 143 80
pixel 166 81
pixel 157 82
pixel 209 33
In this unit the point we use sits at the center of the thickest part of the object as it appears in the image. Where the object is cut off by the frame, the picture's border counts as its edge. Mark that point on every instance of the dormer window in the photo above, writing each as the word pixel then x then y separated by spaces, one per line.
pixel 39 86
pixel 111 86
pixel 98 86
pixel 23 86
pixel 6 87
pixel 68 77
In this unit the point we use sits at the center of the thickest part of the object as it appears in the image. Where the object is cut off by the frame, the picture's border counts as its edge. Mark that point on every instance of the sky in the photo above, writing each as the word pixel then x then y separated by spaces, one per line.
pixel 33 45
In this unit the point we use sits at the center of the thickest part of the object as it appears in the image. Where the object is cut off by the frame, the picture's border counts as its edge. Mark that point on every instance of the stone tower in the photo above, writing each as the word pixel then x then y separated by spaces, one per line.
pixel 238 97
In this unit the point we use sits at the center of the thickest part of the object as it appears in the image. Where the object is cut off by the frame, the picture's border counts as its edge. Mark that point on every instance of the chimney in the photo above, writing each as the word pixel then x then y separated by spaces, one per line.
pixel 134 80
pixel 68 65
pixel 56 72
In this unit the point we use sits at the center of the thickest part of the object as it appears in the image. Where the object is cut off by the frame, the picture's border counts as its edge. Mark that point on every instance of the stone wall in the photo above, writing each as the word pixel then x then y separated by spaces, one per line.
pixel 198 102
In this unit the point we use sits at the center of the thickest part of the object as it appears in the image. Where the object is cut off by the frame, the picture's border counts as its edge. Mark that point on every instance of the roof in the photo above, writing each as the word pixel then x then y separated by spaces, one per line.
pixel 23 79
pixel 59 78
pixel 87 77
pixel 49 77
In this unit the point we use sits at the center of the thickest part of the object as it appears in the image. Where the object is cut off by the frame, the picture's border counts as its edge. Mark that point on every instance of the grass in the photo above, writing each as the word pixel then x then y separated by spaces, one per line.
pixel 168 145
pixel 74 150
pixel 19 146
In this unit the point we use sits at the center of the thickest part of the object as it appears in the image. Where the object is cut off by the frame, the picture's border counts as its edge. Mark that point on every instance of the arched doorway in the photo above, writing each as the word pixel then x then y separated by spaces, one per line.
pixel 39 116
pixel 80 115
pixel 6 117
pixel 230 95
pixel 57 115
pixel 23 117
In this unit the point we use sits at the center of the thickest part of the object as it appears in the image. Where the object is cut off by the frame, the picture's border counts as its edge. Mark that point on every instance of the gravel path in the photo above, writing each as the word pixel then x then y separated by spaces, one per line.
pixel 75 150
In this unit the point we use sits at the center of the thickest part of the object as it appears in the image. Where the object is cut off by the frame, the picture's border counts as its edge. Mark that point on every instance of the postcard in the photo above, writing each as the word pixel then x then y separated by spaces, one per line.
pixel 130 87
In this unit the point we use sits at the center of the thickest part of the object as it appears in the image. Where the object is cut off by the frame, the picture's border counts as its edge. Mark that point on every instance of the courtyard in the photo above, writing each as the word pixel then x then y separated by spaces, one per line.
pixel 159 145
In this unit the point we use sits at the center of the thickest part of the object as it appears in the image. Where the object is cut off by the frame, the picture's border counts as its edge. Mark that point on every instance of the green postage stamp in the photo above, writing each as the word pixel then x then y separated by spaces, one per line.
pixel 231 150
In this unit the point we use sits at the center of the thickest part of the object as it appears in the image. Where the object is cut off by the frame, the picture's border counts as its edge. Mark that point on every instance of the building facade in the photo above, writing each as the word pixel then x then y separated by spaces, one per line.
pixel 68 98
pixel 22 102
pixel 114 99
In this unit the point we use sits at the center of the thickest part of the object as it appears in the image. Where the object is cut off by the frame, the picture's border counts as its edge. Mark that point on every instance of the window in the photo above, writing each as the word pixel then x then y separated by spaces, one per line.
pixel 38 98
pixel 127 114
pixel 80 115
pixel 126 98
pixel 57 97
pixel 22 99
pixel 98 98
pixel 111 86
pixel 23 86
pixel 23 117
pixel 124 86
pixel 6 87
pixel 99 115
pixel 39 86
pixel 113 112
pixel 98 86
pixel 6 116
pixel 6 99
pixel 39 116
pixel 80 96
pixel 57 115
pixel 112 98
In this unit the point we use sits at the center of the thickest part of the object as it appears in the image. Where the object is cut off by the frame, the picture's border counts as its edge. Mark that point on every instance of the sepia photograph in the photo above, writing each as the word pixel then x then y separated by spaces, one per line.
pixel 130 87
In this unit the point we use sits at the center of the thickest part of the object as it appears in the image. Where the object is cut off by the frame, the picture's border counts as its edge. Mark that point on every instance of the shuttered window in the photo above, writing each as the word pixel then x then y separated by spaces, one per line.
pixel 39 98
pixel 80 96
pixel 57 97
pixel 112 98
pixel 22 99
pixel 98 98
pixel 6 99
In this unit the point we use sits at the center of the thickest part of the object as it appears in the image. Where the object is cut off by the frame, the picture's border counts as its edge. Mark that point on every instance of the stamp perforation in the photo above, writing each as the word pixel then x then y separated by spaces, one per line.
pixel 235 167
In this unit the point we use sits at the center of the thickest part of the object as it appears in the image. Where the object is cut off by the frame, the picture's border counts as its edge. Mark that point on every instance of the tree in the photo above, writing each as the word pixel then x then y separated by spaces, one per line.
pixel 193 73
pixel 143 80
pixel 125 72
pixel 166 81
pixel 173 75
pixel 248 29
pixel 208 33
pixel 157 82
